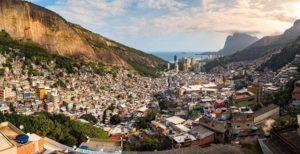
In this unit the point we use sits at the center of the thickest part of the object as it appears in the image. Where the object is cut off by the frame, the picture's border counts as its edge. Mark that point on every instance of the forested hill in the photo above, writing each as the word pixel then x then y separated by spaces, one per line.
pixel 287 55
pixel 27 22
pixel 266 46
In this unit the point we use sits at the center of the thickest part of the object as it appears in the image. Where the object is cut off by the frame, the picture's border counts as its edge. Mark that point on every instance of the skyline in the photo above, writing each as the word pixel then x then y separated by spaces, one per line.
pixel 195 25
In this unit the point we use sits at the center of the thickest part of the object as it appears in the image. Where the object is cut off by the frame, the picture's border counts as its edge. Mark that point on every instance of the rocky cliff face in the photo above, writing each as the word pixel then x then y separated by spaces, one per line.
pixel 237 42
pixel 28 22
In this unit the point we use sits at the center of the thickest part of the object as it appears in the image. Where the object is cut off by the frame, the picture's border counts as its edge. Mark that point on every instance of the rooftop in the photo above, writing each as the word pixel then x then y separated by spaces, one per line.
pixel 175 120
pixel 10 131
pixel 5 143
pixel 182 128
pixel 142 109
pixel 265 109
pixel 201 132
pixel 102 145
pixel 184 138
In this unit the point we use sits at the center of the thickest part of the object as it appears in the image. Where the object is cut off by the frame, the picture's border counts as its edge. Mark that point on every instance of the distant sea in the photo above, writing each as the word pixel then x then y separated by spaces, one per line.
pixel 169 56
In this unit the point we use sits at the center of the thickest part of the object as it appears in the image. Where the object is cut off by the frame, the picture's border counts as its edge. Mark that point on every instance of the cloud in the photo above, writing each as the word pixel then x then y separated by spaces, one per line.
pixel 90 13
pixel 135 20
pixel 161 4
pixel 248 16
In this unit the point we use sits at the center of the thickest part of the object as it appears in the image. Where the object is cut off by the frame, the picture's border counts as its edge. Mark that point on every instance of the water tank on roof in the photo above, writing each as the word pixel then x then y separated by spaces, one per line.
pixel 225 117
pixel 22 138
pixel 84 147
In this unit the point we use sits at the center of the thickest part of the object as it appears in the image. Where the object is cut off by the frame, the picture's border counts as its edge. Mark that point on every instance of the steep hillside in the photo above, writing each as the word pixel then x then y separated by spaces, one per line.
pixel 237 42
pixel 263 47
pixel 28 22
pixel 288 52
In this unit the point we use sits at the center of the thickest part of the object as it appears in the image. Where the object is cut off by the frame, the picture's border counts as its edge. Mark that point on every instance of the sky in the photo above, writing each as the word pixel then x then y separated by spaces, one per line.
pixel 177 25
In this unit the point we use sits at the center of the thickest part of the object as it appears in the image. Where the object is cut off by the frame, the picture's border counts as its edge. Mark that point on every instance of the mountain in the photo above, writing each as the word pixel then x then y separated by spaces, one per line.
pixel 277 61
pixel 28 22
pixel 237 42
pixel 289 35
pixel 266 46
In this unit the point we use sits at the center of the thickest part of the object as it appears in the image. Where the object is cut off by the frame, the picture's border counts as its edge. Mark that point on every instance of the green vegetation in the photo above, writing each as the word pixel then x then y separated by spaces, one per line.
pixel 245 103
pixel 35 54
pixel 284 123
pixel 115 119
pixel 147 71
pixel 57 127
pixel 2 72
pixel 277 61
pixel 139 60
pixel 90 118
pixel 145 122
pixel 164 104
pixel 282 97
pixel 147 144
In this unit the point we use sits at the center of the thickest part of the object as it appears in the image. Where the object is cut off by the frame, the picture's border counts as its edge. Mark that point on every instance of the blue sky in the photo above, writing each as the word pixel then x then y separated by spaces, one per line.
pixel 177 25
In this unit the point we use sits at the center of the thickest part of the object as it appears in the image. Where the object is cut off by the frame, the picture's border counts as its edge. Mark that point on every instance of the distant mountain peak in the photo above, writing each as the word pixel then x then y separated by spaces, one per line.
pixel 237 41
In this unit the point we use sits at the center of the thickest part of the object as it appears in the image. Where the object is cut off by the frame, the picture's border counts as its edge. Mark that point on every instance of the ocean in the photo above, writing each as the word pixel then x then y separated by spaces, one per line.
pixel 169 56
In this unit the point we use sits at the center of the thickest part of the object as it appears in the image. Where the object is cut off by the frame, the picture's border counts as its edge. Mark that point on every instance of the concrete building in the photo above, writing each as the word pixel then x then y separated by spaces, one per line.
pixel 9 144
pixel 198 136
pixel 242 120
pixel 93 145
pixel 5 93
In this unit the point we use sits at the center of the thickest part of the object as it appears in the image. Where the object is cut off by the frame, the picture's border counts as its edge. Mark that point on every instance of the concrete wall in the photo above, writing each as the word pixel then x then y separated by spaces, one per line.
pixel 269 114
pixel 12 150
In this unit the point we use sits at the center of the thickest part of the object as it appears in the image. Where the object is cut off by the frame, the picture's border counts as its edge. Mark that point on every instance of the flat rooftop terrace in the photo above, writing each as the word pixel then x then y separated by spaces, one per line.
pixel 5 143
pixel 10 132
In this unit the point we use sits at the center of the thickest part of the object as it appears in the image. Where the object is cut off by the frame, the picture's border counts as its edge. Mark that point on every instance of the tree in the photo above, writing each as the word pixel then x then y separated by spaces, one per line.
pixel 149 144
pixel 90 118
pixel 42 125
pixel 142 123
pixel 164 104
pixel 57 127
pixel 151 115
pixel 115 119
pixel 2 72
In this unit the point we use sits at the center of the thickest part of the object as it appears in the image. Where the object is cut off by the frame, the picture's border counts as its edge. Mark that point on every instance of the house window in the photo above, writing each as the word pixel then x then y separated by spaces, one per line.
pixel 238 126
